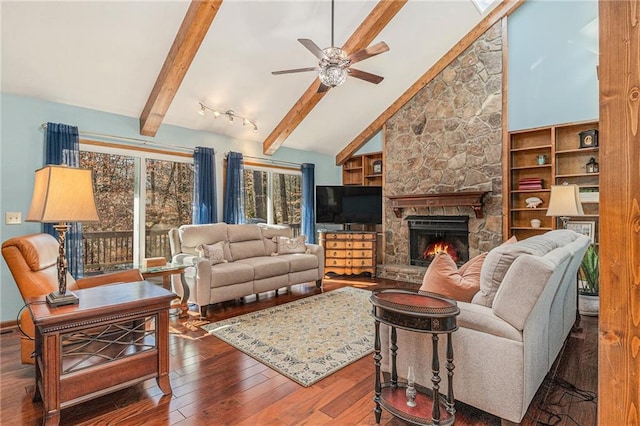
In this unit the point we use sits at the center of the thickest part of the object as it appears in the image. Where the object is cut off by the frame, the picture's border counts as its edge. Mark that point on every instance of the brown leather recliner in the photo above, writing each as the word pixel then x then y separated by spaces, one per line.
pixel 32 261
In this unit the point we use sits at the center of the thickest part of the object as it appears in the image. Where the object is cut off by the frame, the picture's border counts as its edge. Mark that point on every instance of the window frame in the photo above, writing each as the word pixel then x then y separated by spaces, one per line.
pixel 139 191
pixel 270 170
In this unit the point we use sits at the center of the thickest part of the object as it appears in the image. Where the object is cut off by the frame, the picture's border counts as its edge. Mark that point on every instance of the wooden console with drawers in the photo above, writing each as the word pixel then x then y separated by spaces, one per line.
pixel 349 252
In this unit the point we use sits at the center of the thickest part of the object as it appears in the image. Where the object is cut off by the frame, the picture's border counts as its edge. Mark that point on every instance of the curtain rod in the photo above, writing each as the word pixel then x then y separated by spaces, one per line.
pixel 43 126
pixel 267 160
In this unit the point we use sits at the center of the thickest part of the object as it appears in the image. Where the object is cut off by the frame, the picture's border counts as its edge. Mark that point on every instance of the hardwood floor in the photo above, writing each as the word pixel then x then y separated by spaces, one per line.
pixel 215 384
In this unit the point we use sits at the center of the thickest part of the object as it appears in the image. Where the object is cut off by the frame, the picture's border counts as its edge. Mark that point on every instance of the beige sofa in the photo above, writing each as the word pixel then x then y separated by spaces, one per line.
pixel 251 263
pixel 504 347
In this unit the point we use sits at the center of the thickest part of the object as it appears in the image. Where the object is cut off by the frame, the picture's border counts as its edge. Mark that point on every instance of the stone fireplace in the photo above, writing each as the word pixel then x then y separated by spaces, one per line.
pixel 447 140
pixel 429 235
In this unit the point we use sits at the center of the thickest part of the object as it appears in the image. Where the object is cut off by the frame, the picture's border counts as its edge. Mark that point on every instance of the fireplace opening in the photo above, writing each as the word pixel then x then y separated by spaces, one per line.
pixel 429 235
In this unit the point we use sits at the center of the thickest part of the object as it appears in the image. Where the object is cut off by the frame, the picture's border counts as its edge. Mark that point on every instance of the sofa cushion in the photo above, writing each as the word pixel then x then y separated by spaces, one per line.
pixel 443 277
pixel 499 260
pixel 213 252
pixel 246 249
pixel 191 236
pixel 300 261
pixel 291 245
pixel 245 241
pixel 266 266
pixel 483 319
pixel 224 274
pixel 238 233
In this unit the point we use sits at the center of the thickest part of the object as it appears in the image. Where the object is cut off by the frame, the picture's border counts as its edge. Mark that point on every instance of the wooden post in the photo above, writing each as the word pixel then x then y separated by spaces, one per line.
pixel 619 321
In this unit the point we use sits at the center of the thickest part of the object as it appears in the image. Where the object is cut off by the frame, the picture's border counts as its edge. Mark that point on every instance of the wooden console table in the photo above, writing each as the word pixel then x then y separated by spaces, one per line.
pixel 421 312
pixel 115 337
pixel 349 252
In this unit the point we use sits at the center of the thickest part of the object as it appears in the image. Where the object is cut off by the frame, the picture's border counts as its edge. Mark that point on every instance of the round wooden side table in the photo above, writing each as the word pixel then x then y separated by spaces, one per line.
pixel 420 312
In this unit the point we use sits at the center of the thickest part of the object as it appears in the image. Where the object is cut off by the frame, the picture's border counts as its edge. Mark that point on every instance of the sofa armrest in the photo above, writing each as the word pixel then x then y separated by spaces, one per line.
pixel 318 250
pixel 202 279
pixel 481 318
pixel 180 258
pixel 186 259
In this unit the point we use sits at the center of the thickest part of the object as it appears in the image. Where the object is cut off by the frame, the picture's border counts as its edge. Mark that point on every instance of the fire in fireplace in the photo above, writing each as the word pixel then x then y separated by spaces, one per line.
pixel 429 235
pixel 440 247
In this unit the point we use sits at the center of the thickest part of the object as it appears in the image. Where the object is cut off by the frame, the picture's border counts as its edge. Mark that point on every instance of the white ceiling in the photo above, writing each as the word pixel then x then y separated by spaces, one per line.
pixel 106 55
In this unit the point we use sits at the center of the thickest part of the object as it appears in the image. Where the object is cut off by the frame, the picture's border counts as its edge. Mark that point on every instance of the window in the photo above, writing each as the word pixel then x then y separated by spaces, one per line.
pixel 130 229
pixel 169 192
pixel 273 196
pixel 482 5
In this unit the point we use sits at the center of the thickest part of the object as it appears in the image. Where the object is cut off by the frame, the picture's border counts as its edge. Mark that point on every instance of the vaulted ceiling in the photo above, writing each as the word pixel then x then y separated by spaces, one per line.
pixel 117 57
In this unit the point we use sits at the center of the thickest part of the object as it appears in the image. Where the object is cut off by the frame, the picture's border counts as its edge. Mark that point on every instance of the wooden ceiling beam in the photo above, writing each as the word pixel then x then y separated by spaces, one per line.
pixel 192 31
pixel 379 17
pixel 503 9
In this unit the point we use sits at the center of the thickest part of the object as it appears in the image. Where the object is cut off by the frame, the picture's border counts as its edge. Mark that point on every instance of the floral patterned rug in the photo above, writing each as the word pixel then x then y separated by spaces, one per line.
pixel 308 339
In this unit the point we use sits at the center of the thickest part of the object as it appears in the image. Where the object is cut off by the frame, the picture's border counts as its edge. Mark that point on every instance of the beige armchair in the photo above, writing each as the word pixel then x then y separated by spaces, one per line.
pixel 32 262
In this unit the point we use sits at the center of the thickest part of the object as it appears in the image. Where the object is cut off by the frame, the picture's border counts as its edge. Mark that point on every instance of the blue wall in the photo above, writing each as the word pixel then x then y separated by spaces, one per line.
pixel 553 54
pixel 22 152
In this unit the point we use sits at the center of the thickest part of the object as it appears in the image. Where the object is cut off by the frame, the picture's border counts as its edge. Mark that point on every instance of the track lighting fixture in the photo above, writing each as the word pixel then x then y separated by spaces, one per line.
pixel 231 116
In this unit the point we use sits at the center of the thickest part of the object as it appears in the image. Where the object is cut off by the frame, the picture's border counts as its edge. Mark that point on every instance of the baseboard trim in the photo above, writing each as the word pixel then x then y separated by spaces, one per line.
pixel 8 326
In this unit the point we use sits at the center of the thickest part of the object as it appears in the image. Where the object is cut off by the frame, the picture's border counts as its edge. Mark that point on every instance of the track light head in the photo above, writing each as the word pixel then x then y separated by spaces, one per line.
pixel 230 114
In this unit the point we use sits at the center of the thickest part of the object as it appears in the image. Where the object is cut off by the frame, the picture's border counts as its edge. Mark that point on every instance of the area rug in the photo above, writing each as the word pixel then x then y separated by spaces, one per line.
pixel 308 339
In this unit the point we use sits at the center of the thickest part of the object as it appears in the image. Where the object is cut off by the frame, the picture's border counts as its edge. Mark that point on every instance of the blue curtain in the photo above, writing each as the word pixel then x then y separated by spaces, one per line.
pixel 233 203
pixel 204 186
pixel 62 147
pixel 308 224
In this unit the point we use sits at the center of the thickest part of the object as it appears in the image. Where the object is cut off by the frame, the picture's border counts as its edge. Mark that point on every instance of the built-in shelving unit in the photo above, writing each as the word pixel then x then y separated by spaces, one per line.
pixel 564 161
pixel 359 170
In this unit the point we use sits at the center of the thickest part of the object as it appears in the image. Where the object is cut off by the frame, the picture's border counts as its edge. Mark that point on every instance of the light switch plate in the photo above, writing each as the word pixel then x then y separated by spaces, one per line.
pixel 13 218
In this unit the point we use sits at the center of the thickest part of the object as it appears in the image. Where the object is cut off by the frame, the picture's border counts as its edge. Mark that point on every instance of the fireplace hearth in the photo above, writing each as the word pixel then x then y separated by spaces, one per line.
pixel 429 235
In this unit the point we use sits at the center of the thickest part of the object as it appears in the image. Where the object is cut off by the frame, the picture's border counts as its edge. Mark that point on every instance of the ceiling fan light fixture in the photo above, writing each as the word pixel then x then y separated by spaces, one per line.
pixel 333 76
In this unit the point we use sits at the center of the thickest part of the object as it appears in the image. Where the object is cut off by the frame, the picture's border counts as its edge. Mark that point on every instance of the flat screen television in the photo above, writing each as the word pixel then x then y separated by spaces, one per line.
pixel 349 204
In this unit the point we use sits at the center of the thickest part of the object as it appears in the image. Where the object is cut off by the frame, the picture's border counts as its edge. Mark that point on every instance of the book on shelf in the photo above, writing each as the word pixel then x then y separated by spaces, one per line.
pixel 530 183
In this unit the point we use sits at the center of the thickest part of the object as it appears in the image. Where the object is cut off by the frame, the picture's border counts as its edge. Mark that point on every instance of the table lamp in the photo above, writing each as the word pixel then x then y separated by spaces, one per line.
pixel 564 202
pixel 62 194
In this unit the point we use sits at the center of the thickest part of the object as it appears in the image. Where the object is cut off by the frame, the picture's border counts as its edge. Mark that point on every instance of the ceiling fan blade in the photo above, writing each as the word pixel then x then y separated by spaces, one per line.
pixel 368 52
pixel 313 48
pixel 322 88
pixel 366 76
pixel 294 70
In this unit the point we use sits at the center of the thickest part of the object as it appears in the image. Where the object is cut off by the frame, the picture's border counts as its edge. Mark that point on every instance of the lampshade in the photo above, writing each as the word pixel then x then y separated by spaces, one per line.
pixel 62 194
pixel 564 201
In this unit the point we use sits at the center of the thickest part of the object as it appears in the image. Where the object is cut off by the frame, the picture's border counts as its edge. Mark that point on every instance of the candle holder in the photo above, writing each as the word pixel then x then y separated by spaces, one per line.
pixel 411 388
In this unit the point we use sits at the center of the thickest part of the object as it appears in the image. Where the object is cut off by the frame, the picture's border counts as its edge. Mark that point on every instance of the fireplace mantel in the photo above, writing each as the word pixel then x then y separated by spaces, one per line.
pixel 443 199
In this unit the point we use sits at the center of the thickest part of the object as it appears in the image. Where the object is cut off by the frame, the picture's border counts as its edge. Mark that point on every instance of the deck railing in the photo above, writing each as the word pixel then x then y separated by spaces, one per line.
pixel 106 250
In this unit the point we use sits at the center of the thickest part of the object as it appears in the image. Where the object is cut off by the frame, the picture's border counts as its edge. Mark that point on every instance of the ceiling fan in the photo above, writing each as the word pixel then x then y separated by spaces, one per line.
pixel 335 63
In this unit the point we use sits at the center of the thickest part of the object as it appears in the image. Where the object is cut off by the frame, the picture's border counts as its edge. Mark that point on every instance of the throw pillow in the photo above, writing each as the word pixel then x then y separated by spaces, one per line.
pixel 291 245
pixel 443 277
pixel 473 266
pixel 213 252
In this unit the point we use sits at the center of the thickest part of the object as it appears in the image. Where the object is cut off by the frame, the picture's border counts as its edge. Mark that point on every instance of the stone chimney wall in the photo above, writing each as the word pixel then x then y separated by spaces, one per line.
pixel 448 138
